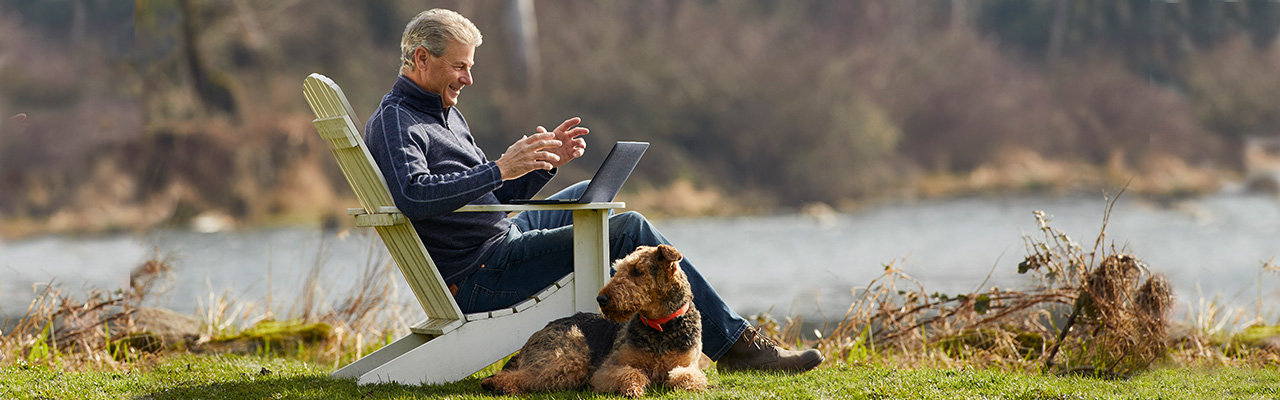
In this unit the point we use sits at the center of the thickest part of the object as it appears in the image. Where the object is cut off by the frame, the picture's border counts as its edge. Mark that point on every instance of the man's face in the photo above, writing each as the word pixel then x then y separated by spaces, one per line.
pixel 447 74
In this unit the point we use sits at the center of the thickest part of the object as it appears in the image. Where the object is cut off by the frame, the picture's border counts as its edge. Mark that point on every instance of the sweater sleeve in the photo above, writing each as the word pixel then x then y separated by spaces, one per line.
pixel 418 189
pixel 524 187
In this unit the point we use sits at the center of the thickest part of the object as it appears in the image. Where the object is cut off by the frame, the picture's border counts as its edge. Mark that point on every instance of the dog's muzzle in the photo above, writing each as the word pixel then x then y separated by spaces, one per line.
pixel 603 300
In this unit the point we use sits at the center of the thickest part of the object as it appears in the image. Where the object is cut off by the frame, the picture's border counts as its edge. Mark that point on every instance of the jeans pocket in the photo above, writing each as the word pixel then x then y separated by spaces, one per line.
pixel 486 299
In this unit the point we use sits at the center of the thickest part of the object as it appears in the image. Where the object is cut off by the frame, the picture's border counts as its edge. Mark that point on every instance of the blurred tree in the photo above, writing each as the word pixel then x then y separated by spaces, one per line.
pixel 212 86
pixel 1234 89
pixel 526 64
pixel 755 97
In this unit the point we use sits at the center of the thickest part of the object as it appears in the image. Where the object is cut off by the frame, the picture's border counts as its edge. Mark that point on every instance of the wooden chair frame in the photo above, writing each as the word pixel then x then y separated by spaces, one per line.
pixel 449 346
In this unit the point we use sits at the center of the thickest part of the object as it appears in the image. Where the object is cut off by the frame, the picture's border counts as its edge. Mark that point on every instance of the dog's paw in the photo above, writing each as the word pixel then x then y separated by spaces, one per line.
pixel 688 379
pixel 633 391
pixel 489 385
pixel 496 385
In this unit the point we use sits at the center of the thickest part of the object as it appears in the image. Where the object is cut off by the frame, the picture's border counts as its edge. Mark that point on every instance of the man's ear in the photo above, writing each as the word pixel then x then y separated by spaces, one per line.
pixel 421 57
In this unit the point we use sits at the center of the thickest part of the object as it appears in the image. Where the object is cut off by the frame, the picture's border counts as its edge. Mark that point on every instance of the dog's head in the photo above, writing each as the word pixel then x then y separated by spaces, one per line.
pixel 649 280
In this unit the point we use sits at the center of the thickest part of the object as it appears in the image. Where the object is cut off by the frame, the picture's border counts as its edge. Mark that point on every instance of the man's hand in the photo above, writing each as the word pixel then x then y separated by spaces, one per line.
pixel 543 150
pixel 572 146
pixel 528 154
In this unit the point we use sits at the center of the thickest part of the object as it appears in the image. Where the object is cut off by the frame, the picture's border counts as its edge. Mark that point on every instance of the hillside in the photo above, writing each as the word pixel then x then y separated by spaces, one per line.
pixel 155 113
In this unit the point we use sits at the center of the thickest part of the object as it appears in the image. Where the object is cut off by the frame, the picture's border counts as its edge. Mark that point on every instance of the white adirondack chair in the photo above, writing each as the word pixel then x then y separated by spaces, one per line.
pixel 449 346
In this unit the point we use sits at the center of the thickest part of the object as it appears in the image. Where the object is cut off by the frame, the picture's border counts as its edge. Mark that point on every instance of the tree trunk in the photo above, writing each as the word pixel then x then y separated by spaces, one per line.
pixel 526 66
pixel 959 14
pixel 211 91
pixel 1057 32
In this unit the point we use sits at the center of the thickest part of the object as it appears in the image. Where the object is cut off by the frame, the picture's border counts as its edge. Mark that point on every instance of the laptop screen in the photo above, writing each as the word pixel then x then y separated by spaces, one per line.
pixel 613 173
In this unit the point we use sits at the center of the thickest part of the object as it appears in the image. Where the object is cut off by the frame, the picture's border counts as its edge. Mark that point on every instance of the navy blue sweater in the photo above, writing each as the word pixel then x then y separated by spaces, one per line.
pixel 433 166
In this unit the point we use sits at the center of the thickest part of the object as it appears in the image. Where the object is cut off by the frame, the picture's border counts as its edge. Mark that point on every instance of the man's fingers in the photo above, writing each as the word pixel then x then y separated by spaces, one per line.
pixel 579 131
pixel 538 140
pixel 546 156
pixel 568 123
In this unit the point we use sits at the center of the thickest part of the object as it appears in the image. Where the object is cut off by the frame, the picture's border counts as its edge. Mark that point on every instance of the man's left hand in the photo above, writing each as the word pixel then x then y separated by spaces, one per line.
pixel 572 146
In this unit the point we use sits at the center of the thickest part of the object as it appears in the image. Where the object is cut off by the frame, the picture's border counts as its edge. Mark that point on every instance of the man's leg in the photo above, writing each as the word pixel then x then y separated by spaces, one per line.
pixel 551 219
pixel 537 251
pixel 525 264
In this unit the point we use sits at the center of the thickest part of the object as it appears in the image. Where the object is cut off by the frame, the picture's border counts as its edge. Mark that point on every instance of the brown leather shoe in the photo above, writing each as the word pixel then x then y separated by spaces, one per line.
pixel 754 351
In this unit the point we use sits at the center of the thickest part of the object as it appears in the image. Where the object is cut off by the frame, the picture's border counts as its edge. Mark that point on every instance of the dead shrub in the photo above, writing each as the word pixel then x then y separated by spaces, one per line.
pixel 1115 311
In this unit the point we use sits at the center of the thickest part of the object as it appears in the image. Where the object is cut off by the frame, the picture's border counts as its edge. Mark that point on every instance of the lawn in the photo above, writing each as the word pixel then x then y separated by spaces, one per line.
pixel 252 377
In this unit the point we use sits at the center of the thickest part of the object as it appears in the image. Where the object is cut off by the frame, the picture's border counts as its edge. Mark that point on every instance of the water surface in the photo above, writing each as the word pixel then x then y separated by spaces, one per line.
pixel 791 264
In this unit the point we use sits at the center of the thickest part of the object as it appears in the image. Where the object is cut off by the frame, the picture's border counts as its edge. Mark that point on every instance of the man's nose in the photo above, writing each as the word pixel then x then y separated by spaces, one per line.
pixel 466 78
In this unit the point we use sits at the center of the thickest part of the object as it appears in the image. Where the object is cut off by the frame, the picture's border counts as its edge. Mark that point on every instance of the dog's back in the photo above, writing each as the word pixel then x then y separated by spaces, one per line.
pixel 573 346
pixel 598 332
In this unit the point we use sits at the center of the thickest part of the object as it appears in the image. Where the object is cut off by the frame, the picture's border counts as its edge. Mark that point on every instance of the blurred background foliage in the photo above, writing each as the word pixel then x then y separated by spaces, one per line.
pixel 154 112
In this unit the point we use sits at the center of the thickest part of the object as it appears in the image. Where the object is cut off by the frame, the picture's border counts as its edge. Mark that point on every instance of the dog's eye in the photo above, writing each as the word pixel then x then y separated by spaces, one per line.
pixel 636 272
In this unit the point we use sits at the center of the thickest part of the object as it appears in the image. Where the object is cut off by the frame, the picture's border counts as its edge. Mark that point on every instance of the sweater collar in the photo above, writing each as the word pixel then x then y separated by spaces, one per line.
pixel 657 323
pixel 419 99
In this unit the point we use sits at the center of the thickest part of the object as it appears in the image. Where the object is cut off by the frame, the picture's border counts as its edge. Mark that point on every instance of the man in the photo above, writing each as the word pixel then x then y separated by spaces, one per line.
pixel 432 165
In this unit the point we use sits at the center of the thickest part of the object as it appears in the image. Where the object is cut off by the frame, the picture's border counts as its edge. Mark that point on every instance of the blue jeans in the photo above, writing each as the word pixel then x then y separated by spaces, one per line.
pixel 539 251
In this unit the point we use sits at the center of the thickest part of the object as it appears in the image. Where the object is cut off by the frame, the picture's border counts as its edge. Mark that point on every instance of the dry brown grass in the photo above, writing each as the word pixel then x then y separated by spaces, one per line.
pixel 101 332
pixel 1098 311
pixel 63 331
pixel 361 318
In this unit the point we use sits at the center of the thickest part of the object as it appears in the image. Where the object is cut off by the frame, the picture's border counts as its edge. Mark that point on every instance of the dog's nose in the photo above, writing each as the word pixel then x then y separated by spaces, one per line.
pixel 603 300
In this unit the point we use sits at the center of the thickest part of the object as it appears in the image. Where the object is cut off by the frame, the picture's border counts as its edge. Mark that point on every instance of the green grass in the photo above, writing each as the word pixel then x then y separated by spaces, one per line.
pixel 249 377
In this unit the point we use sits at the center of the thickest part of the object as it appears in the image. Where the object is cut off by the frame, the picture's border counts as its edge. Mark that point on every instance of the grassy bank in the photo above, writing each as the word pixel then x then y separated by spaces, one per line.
pixel 251 377
pixel 1093 322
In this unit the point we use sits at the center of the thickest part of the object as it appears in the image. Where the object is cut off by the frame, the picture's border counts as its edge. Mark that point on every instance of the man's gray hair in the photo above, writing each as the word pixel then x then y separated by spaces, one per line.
pixel 433 30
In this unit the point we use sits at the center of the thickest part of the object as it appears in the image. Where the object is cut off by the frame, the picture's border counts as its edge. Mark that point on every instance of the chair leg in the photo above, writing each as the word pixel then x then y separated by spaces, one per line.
pixel 381 356
pixel 419 359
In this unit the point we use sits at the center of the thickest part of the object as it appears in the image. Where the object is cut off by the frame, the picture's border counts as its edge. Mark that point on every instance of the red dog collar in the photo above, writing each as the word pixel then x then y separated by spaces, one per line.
pixel 657 323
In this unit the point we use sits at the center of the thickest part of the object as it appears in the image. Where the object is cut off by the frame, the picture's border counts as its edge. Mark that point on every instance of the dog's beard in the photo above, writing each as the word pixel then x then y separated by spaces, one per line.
pixel 616 314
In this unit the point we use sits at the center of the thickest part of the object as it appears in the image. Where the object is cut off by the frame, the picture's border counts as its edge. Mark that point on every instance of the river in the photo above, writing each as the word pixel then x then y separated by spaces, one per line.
pixel 1209 247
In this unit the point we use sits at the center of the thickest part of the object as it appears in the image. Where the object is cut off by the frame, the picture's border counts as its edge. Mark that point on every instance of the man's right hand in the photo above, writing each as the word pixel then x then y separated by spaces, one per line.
pixel 528 154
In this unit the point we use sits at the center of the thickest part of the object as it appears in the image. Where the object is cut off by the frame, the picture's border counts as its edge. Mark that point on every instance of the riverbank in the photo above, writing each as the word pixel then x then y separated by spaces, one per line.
pixel 183 377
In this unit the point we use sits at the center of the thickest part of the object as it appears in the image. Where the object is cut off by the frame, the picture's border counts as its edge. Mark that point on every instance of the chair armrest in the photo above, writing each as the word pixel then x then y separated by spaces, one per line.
pixel 506 208
pixel 536 207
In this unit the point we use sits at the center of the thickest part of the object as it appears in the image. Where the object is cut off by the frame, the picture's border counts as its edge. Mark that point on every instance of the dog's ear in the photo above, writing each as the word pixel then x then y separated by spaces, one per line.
pixel 670 253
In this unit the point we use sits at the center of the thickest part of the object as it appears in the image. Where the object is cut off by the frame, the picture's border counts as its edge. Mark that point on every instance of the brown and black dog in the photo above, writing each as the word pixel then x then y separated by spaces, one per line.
pixel 652 334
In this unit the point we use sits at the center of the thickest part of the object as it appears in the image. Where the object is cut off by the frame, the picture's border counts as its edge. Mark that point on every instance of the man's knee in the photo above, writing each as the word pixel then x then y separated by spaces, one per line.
pixel 632 223
pixel 628 218
pixel 577 189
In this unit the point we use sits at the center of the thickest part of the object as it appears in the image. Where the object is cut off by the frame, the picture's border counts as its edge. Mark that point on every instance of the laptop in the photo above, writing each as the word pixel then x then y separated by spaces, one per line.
pixel 609 178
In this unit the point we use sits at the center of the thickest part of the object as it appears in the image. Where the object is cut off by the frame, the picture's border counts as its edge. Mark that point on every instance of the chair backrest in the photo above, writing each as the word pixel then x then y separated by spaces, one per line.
pixel 336 123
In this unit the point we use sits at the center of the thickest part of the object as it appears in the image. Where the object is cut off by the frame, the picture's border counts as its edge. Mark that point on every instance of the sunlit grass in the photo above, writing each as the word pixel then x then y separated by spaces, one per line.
pixel 253 377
